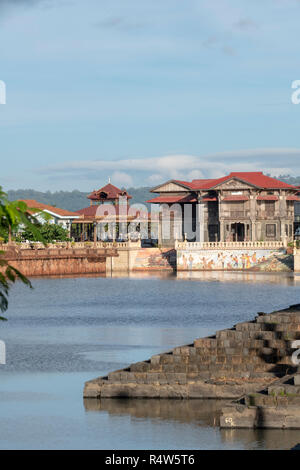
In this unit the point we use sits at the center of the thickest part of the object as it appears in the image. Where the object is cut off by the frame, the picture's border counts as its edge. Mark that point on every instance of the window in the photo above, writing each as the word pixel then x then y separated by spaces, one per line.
pixel 270 207
pixel 271 230
pixel 213 232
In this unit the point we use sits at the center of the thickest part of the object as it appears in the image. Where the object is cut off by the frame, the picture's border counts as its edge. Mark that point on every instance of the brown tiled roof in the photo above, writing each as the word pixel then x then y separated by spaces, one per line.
pixel 90 212
pixel 111 192
pixel 31 203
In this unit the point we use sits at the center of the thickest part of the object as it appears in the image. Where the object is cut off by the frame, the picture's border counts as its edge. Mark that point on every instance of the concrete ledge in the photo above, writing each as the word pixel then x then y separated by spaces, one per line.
pixel 199 389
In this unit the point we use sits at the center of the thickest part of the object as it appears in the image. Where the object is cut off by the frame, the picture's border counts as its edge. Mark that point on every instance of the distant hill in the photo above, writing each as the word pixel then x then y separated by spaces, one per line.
pixel 294 180
pixel 75 200
pixel 72 200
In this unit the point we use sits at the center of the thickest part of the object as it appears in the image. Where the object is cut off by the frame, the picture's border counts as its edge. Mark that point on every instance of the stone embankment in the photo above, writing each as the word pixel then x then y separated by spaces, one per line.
pixel 278 406
pixel 59 261
pixel 235 362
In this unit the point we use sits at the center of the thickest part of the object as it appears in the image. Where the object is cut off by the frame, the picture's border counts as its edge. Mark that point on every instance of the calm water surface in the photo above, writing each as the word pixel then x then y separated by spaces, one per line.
pixel 69 330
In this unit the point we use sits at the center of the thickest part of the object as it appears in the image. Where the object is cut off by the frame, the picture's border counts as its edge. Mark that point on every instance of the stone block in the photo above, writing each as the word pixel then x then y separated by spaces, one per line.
pixel 92 390
pixel 297 379
pixel 155 360
pixel 173 391
pixel 140 367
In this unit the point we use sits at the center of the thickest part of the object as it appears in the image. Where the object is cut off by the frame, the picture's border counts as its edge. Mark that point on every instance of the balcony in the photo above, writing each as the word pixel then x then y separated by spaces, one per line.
pixel 271 215
pixel 235 215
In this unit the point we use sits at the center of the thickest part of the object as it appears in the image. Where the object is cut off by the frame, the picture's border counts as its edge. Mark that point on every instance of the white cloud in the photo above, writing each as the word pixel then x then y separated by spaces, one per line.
pixel 138 171
pixel 121 179
pixel 155 178
pixel 195 174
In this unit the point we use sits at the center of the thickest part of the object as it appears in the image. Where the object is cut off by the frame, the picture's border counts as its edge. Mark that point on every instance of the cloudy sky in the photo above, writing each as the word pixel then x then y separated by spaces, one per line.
pixel 143 91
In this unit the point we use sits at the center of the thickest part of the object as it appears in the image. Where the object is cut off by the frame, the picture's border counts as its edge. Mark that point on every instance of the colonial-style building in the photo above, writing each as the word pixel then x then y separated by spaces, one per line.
pixel 297 215
pixel 243 206
pixel 107 217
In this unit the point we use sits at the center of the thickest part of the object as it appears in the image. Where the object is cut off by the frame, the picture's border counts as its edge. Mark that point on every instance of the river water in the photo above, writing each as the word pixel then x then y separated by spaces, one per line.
pixel 69 330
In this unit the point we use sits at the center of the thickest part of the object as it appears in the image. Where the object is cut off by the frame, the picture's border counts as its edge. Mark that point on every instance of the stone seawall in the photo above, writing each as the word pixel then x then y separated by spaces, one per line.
pixel 47 262
pixel 234 362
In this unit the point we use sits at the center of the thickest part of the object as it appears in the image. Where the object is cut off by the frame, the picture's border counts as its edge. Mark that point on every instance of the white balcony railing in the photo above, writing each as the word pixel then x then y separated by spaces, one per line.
pixel 183 245
pixel 73 245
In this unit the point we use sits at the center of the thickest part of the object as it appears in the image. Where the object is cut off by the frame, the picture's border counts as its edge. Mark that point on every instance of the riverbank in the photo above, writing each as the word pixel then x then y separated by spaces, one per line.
pixel 128 257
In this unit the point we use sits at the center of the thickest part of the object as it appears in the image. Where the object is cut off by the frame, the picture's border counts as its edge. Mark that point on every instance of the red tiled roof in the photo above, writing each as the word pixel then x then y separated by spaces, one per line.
pixel 235 197
pixel 202 184
pixel 209 199
pixel 293 198
pixel 185 183
pixel 31 203
pixel 172 199
pixel 111 191
pixel 90 212
pixel 267 198
pixel 261 180
pixel 255 178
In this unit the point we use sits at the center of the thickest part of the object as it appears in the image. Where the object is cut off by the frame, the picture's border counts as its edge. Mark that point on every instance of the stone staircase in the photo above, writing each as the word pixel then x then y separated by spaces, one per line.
pixel 278 407
pixel 230 364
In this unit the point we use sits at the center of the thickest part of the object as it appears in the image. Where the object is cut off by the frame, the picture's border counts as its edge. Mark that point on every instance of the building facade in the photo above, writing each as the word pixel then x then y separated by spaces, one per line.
pixel 108 216
pixel 242 206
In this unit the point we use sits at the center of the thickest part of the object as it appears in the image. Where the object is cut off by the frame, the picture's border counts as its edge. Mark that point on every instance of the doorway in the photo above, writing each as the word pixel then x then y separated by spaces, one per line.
pixel 238 232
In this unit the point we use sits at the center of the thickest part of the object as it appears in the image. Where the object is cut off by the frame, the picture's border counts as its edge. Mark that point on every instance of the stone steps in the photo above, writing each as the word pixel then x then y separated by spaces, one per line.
pixel 261 346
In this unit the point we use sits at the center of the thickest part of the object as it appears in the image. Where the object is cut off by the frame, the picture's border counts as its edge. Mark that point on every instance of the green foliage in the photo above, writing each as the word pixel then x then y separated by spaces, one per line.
pixel 8 276
pixel 50 233
pixel 12 216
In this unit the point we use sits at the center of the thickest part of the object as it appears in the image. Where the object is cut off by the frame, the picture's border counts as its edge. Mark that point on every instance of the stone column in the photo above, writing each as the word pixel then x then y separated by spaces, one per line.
pixel 222 230
pixel 200 221
pixel 253 230
pixel 253 215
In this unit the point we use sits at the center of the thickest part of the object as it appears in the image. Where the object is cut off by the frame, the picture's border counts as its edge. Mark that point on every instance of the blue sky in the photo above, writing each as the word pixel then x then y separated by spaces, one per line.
pixel 145 91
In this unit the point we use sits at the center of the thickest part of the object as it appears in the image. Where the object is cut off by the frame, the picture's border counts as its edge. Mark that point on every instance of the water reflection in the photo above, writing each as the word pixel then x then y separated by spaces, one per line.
pixel 267 439
pixel 283 278
pixel 204 412
pixel 227 276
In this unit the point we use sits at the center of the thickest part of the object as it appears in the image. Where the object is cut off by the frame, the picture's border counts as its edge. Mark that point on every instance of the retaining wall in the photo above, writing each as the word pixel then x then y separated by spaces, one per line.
pixel 46 262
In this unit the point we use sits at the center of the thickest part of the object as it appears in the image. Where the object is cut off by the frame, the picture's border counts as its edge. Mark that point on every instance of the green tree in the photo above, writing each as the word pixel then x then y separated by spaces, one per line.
pixel 13 215
pixel 50 233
